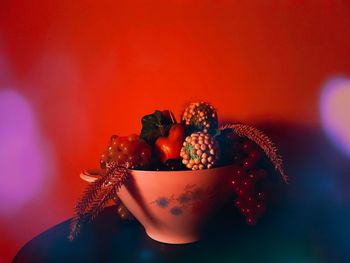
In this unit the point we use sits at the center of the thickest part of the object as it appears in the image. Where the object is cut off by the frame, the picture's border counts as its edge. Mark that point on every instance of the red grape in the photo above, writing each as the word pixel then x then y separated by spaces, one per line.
pixel 246 173
pixel 129 151
pixel 133 137
pixel 145 153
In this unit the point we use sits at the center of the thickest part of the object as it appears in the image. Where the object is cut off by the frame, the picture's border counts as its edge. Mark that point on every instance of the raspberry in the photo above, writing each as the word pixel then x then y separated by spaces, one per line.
pixel 199 151
pixel 200 115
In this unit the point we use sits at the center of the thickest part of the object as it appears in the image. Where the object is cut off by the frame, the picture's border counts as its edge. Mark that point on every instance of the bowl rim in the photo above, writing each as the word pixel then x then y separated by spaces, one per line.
pixel 91 177
pixel 183 171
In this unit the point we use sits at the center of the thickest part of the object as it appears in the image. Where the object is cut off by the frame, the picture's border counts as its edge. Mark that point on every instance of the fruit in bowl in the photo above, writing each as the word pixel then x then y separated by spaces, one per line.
pixel 174 176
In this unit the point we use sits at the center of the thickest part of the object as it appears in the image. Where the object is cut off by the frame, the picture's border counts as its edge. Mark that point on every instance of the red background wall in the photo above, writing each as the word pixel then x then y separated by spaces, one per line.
pixel 88 70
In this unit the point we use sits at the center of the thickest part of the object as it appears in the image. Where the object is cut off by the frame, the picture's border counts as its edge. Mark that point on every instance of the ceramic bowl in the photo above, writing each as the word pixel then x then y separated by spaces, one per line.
pixel 174 206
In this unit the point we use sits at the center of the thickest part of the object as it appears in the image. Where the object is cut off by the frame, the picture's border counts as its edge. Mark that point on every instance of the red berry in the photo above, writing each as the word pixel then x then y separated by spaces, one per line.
pixel 238 203
pixel 230 135
pixel 261 173
pixel 255 155
pixel 235 146
pixel 246 211
pixel 133 159
pixel 110 151
pixel 121 158
pixel 242 210
pixel 239 191
pixel 235 183
pixel 248 163
pixel 250 200
pixel 133 137
pixel 252 175
pixel 102 164
pixel 251 221
pixel 247 185
pixel 237 158
pixel 114 144
pixel 145 153
pixel 238 172
pixel 104 157
pixel 248 146
pixel 114 138
pixel 260 209
pixel 261 195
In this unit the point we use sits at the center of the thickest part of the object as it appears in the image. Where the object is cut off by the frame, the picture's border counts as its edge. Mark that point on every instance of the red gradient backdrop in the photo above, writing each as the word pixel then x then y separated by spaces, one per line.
pixel 88 70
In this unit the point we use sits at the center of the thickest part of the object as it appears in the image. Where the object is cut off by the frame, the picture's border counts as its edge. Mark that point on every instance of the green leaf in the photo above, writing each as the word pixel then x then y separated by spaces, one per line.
pixel 153 126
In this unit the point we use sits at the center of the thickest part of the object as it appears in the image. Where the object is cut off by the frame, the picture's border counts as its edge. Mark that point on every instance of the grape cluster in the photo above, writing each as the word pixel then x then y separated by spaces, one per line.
pixel 247 177
pixel 130 151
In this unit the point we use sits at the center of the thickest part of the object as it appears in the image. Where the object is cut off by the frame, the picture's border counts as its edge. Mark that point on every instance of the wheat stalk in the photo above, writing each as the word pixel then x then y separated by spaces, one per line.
pixel 96 197
pixel 263 141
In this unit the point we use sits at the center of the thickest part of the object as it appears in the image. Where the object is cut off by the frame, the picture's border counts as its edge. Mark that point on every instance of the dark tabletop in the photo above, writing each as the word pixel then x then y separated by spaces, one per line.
pixel 306 221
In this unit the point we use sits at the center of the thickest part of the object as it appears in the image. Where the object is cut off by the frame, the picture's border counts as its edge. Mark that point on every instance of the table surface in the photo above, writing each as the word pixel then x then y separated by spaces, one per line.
pixel 306 221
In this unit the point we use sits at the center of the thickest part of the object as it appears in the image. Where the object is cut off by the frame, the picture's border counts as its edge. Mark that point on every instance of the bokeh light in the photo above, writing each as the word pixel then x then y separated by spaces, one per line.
pixel 25 157
pixel 335 112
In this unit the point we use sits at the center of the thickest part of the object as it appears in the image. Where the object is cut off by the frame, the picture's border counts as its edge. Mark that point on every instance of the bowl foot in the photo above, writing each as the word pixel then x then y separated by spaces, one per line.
pixel 172 239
